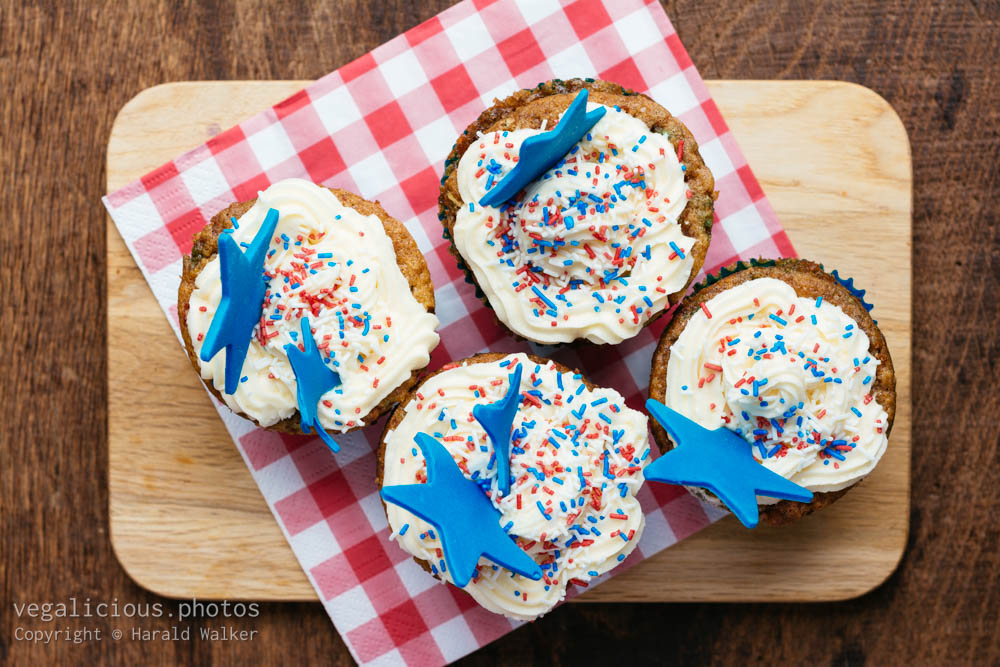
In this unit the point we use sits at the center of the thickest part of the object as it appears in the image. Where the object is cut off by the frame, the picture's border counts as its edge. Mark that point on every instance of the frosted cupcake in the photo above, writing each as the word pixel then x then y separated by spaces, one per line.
pixel 576 459
pixel 343 265
pixel 788 357
pixel 604 241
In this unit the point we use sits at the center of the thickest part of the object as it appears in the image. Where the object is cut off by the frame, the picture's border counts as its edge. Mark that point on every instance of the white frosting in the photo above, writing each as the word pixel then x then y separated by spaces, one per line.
pixel 591 518
pixel 338 268
pixel 604 268
pixel 793 375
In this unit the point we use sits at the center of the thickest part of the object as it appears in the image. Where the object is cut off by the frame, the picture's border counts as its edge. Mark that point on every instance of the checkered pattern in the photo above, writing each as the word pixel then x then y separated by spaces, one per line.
pixel 382 126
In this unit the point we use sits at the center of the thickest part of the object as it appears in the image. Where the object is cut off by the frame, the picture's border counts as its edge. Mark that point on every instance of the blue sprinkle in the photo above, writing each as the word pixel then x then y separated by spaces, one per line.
pixel 541 508
pixel 541 296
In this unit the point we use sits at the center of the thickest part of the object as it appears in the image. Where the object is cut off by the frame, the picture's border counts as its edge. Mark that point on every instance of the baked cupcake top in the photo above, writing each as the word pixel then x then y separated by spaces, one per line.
pixel 593 248
pixel 577 454
pixel 795 375
pixel 337 267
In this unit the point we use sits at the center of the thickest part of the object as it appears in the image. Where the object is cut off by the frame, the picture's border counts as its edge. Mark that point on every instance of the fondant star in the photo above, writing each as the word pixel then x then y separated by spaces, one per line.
pixel 313 378
pixel 467 522
pixel 719 461
pixel 497 419
pixel 243 289
pixel 540 151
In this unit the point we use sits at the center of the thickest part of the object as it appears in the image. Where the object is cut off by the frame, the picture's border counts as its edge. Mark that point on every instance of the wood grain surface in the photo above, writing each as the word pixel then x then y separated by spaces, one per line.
pixel 183 519
pixel 67 68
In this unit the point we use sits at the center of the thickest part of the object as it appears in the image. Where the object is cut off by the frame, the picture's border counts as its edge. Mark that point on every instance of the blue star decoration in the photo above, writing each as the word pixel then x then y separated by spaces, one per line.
pixel 243 289
pixel 540 152
pixel 313 378
pixel 497 419
pixel 466 521
pixel 719 461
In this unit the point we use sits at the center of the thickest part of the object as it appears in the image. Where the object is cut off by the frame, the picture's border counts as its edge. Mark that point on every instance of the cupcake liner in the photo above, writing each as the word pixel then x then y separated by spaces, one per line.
pixel 726 271
pixel 848 283
pixel 743 265
pixel 466 271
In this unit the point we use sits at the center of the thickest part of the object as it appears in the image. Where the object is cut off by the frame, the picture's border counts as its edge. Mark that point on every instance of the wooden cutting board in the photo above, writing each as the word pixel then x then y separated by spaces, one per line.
pixel 188 521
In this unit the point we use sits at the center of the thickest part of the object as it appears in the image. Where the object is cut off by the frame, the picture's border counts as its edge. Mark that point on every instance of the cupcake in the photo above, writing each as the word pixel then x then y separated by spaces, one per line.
pixel 576 459
pixel 600 244
pixel 788 357
pixel 335 264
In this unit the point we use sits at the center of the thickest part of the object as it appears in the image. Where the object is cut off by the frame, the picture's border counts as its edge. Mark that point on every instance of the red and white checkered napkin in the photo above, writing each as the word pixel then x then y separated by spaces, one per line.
pixel 382 126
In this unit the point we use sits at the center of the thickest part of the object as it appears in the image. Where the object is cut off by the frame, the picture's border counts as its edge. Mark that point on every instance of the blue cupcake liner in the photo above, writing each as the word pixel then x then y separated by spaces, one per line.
pixel 859 294
pixel 742 265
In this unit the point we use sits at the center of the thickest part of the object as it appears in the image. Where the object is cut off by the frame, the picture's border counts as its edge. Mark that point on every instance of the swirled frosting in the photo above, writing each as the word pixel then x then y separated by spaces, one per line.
pixel 337 267
pixel 792 375
pixel 593 248
pixel 576 463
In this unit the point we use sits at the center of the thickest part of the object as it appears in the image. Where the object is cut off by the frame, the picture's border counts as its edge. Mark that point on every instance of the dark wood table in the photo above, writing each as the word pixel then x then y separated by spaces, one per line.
pixel 66 69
